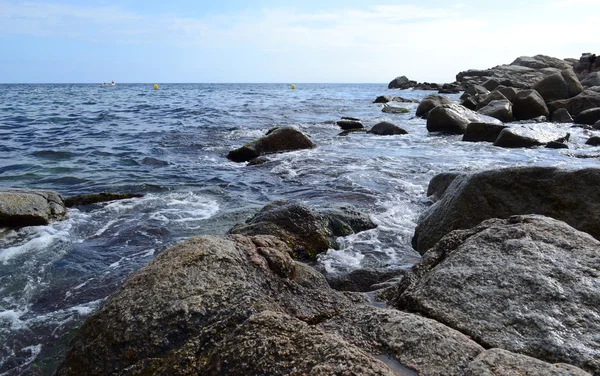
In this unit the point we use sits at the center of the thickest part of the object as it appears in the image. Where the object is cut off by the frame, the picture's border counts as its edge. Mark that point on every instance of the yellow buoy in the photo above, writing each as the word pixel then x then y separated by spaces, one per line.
pixel 155 86
pixel 293 86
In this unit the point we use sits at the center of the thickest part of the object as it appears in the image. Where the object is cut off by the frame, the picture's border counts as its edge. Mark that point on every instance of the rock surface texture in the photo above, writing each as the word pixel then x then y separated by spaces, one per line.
pixel 30 208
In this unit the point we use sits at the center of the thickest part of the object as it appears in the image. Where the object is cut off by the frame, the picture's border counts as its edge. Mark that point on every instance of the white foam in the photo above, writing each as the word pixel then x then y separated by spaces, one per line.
pixel 12 318
pixel 86 308
pixel 105 227
pixel 43 238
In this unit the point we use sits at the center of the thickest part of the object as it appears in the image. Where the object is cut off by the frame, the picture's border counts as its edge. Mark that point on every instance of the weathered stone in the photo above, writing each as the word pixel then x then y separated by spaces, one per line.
pixel 477 132
pixel 589 117
pixel 592 79
pixel 495 95
pixel 583 101
pixel 525 284
pixel 20 207
pixel 474 90
pixel 501 362
pixel 529 104
pixel 454 118
pixel 394 109
pixel 361 280
pixel 562 116
pixel 430 102
pixel 349 124
pixel 439 183
pixel 94 198
pixel 552 87
pixel 491 84
pixel 498 109
pixel 277 140
pixel 509 92
pixel 528 136
pixel 385 128
pixel 569 196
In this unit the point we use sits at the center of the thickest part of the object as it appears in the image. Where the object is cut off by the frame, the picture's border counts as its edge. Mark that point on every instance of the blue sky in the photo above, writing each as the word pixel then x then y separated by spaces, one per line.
pixel 282 41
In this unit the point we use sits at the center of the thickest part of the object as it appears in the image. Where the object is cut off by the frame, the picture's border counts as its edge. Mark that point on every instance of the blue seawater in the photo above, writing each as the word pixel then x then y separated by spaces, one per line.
pixel 170 144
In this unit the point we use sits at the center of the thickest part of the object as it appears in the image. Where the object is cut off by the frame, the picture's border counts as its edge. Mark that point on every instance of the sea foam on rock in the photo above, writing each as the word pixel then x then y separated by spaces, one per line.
pixel 277 140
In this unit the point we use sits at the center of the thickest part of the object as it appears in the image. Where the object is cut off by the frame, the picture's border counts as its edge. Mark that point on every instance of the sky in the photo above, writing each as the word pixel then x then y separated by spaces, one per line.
pixel 291 41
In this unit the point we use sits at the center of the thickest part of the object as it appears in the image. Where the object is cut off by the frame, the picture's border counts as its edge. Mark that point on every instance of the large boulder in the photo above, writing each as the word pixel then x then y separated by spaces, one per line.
pixel 401 82
pixel 385 128
pixel 430 102
pixel 498 109
pixel 454 118
pixel 529 104
pixel 19 207
pixel 583 101
pixel 528 136
pixel 526 284
pixel 561 116
pixel 241 306
pixel 588 116
pixel 477 132
pixel 277 140
pixel 592 79
pixel 559 86
pixel 568 195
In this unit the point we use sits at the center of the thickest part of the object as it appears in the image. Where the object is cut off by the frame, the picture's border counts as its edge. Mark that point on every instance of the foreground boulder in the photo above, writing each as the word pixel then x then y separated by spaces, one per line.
pixel 454 118
pixel 277 140
pixel 430 102
pixel 241 306
pixel 19 207
pixel 523 284
pixel 568 195
pixel 305 232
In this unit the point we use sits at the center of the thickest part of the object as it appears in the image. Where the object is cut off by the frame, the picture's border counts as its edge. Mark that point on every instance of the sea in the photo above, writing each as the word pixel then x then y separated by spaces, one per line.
pixel 171 144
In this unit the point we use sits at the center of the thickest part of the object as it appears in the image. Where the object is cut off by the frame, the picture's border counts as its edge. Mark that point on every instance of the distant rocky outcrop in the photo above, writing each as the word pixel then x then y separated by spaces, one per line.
pixel 523 284
pixel 20 207
pixel 401 82
pixel 277 140
pixel 389 98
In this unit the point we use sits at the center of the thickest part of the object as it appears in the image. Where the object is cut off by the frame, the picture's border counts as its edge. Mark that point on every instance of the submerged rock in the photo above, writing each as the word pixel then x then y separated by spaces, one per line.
pixel 567 195
pixel 277 140
pixel 94 198
pixel 20 207
pixel 385 128
pixel 523 284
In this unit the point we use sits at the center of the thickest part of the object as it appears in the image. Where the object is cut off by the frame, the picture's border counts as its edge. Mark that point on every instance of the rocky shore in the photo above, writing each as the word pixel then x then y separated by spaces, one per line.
pixel 508 283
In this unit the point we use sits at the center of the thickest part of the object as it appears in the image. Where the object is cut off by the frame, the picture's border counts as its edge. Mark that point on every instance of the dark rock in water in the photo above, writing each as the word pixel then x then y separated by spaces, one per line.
pixel 349 124
pixel 293 223
pixel 258 161
pixel 501 362
pixel 454 118
pixel 20 207
pixel 562 85
pixel 592 79
pixel 344 221
pixel 597 125
pixel 401 82
pixel 569 196
pixel 387 129
pixel 593 141
pixel 350 118
pixel 389 98
pixel 277 140
pixel 557 145
pixel 430 102
pixel 154 162
pixel 529 104
pixel 498 109
pixel 583 101
pixel 361 280
pixel 477 132
pixel 93 198
pixel 527 136
pixel 589 117
pixel 562 116
pixel 524 284
pixel 394 110
pixel 439 183
pixel 354 130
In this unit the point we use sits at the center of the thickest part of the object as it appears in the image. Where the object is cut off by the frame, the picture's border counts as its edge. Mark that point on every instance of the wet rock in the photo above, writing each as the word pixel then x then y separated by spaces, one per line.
pixel 495 95
pixel 527 136
pixel 344 221
pixel 385 128
pixel 529 104
pixel 258 161
pixel 94 198
pixel 561 85
pixel 454 118
pixel 597 125
pixel 361 280
pixel 557 145
pixel 394 109
pixel 20 207
pixel 389 98
pixel 523 284
pixel 562 116
pixel 349 124
pixel 439 183
pixel 277 140
pixel 477 132
pixel 583 101
pixel 354 130
pixel 567 195
pixel 592 79
pixel 498 109
pixel 401 82
pixel 589 117
pixel 593 141
pixel 430 102
pixel 350 118
pixel 501 362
